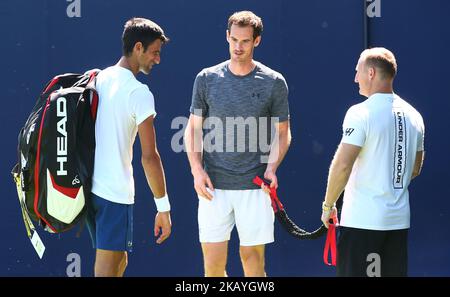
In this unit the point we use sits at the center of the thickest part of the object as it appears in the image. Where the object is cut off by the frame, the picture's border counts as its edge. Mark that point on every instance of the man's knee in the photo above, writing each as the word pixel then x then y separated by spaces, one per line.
pixel 215 264
pixel 123 265
pixel 215 258
pixel 110 263
pixel 252 259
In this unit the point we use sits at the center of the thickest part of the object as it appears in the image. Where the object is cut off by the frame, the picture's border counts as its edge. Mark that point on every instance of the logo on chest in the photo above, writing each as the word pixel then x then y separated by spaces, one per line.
pixel 256 95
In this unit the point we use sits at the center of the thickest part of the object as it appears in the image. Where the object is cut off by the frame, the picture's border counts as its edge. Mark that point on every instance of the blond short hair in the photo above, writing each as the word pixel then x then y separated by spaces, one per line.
pixel 382 59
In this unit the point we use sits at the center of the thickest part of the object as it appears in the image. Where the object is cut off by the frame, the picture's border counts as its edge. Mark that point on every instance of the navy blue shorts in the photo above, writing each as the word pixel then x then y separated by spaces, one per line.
pixel 110 224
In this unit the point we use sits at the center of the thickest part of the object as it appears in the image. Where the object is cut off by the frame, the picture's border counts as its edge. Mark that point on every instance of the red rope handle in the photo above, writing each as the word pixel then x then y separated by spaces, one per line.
pixel 330 243
pixel 276 204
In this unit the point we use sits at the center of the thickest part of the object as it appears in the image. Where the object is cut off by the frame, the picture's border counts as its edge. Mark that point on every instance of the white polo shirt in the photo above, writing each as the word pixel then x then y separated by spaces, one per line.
pixel 390 132
pixel 124 103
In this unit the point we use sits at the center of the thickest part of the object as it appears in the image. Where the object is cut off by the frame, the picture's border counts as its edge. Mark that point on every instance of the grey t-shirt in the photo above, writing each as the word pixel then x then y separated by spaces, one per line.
pixel 237 113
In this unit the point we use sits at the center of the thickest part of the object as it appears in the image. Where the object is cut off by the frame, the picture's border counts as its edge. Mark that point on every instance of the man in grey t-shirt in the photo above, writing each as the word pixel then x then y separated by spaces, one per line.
pixel 238 128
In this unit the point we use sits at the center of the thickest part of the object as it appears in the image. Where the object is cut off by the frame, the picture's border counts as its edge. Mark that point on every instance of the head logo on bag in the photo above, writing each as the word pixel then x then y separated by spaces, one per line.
pixel 56 153
pixel 61 143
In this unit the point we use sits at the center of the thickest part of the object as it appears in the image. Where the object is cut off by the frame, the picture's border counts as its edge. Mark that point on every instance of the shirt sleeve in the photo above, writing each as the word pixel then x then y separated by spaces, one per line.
pixel 199 106
pixel 354 128
pixel 280 104
pixel 142 104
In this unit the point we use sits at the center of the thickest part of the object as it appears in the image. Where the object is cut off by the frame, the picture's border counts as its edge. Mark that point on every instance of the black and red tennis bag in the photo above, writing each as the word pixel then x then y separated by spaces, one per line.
pixel 56 153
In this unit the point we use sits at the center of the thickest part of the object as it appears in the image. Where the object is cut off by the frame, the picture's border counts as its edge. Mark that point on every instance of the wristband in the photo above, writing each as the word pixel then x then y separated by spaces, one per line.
pixel 326 207
pixel 162 204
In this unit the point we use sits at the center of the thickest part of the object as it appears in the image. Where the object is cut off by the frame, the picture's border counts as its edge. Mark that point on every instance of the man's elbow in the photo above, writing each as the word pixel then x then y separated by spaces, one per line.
pixel 193 139
pixel 289 139
pixel 416 173
pixel 150 159
pixel 285 139
pixel 187 132
pixel 343 167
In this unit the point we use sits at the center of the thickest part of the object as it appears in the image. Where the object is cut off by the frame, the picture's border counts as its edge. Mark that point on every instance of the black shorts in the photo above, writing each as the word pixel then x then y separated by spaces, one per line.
pixel 364 253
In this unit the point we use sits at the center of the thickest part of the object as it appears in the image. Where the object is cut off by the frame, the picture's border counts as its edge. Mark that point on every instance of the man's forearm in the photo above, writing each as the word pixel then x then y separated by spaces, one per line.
pixel 193 141
pixel 278 151
pixel 154 173
pixel 195 161
pixel 337 179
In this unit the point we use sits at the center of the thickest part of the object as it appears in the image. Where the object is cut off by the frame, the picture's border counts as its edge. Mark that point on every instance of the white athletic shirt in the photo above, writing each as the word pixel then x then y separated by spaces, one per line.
pixel 124 103
pixel 390 132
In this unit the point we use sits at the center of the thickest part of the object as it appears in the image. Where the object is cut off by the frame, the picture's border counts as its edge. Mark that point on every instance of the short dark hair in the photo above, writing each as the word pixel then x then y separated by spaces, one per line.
pixel 140 30
pixel 382 59
pixel 246 18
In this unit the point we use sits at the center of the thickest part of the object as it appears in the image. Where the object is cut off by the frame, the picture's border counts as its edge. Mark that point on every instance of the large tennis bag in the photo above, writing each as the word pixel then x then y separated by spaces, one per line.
pixel 56 153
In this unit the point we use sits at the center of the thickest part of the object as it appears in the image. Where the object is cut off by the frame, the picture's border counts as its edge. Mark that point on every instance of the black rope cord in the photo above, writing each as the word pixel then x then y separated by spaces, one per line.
pixel 285 221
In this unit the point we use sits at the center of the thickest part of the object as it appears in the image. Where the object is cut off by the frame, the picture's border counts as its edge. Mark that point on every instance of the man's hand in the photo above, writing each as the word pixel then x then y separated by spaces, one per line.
pixel 327 214
pixel 163 224
pixel 201 181
pixel 270 175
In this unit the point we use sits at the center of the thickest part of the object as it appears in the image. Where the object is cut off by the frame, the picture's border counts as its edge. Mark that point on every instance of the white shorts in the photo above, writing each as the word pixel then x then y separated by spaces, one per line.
pixel 250 210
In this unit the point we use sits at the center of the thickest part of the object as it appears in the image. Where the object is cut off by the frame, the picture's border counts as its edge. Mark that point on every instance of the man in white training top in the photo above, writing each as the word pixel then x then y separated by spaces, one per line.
pixel 381 150
pixel 126 108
